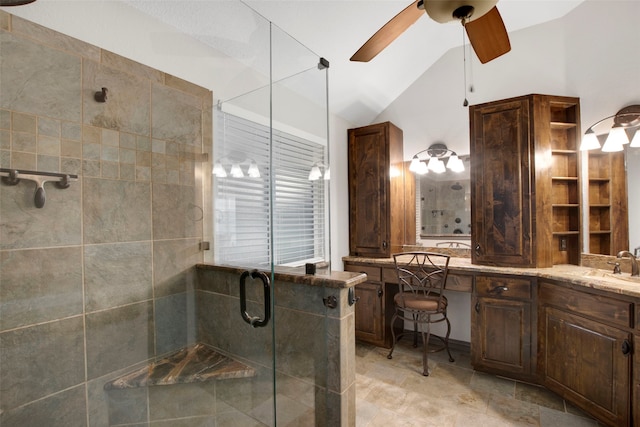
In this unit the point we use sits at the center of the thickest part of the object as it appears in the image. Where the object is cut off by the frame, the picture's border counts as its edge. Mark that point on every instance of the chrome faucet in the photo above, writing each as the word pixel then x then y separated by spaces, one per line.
pixel 634 262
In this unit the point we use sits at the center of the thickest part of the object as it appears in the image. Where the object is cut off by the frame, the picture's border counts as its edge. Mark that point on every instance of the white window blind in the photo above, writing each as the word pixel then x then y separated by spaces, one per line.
pixel 241 205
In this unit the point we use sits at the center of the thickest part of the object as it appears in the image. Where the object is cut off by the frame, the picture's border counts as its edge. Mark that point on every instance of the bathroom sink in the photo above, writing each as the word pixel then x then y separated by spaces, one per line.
pixel 603 274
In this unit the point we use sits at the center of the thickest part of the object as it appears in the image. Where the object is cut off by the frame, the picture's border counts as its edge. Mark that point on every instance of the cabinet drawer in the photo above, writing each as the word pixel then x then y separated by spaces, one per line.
pixel 505 287
pixel 457 282
pixel 373 273
pixel 611 311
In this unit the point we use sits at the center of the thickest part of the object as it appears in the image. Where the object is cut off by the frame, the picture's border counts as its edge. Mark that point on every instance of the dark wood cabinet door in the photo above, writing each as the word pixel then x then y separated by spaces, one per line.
pixel 588 363
pixel 501 336
pixel 368 191
pixel 501 183
pixel 369 321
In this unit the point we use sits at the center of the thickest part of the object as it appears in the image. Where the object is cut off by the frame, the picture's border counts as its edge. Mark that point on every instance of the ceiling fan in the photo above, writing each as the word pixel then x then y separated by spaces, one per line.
pixel 486 31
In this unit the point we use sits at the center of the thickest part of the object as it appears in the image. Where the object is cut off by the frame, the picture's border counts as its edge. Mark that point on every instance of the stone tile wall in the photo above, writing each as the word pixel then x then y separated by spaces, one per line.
pixel 314 347
pixel 96 282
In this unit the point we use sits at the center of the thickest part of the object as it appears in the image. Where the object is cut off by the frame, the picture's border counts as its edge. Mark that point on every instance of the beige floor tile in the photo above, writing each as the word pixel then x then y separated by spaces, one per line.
pixel 394 392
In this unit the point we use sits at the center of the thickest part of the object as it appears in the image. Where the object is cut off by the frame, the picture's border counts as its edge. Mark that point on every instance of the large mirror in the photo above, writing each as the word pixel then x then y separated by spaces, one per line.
pixel 444 203
pixel 633 177
pixel 441 202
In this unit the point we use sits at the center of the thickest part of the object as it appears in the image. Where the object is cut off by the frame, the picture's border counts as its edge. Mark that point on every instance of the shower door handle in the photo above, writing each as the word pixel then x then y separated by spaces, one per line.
pixel 255 321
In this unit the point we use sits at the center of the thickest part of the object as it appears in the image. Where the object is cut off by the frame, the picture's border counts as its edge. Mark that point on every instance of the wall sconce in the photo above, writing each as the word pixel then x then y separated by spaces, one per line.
pixel 220 171
pixel 620 125
pixel 315 173
pixel 434 162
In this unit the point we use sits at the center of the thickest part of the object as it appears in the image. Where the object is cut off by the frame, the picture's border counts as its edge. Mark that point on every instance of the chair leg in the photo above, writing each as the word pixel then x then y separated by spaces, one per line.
pixel 393 335
pixel 415 331
pixel 425 350
pixel 446 339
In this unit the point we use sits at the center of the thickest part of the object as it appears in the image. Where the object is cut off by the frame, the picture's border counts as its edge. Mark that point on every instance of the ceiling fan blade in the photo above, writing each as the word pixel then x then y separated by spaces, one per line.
pixel 488 36
pixel 388 33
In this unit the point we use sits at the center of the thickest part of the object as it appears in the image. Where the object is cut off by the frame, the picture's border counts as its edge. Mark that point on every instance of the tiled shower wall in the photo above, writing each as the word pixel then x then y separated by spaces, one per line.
pixel 98 280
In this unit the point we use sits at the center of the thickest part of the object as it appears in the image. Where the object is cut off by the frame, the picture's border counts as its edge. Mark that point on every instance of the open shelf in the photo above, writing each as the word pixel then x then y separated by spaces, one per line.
pixel 565 182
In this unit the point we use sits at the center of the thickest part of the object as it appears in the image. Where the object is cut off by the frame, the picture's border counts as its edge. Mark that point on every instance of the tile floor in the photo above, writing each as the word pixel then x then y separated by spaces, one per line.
pixel 394 393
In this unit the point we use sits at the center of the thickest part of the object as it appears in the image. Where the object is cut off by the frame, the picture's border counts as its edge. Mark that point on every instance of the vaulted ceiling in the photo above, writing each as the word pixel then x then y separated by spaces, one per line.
pixel 335 29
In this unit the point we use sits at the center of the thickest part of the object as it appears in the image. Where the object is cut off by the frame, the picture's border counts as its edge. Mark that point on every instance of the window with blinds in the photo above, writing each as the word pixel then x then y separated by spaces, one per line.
pixel 242 200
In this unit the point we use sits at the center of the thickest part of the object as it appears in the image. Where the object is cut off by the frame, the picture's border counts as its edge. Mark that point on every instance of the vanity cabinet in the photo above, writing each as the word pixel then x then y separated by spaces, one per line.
pixel 525 191
pixel 503 332
pixel 586 350
pixel 381 192
pixel 374 306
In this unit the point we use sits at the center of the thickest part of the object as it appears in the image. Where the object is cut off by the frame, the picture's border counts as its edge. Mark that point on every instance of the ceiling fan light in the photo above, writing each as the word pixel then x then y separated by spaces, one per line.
pixel 4 3
pixel 443 11
pixel 589 141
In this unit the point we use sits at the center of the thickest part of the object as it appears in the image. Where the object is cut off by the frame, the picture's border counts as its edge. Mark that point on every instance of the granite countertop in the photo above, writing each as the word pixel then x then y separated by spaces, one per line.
pixel 587 277
pixel 333 279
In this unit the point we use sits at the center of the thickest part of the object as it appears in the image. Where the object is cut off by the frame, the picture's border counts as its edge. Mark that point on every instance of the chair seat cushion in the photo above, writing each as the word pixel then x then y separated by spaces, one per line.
pixel 412 301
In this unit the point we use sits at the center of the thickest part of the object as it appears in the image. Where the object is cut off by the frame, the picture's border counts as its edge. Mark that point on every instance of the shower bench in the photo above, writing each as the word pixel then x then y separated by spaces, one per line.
pixel 197 363
pixel 179 388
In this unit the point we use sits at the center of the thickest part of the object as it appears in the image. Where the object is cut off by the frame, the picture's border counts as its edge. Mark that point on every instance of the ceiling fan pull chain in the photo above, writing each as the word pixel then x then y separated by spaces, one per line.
pixel 464 66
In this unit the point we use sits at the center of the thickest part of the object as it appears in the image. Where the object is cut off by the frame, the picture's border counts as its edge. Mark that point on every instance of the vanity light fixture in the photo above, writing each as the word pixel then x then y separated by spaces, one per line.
pixel 315 173
pixel 635 142
pixel 219 171
pixel 236 172
pixel 434 162
pixel 620 126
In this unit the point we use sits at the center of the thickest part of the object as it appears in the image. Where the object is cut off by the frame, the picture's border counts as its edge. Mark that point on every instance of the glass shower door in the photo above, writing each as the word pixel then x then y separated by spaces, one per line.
pixel 270 222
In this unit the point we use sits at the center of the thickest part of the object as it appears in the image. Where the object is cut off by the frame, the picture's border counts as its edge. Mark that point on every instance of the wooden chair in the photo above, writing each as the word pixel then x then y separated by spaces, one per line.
pixel 420 300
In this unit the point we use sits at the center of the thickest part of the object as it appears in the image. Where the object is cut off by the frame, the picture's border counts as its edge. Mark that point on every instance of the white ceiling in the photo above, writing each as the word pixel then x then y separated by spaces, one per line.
pixel 335 29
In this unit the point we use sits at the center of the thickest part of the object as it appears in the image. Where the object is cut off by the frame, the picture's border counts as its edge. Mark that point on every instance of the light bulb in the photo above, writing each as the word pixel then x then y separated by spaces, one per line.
pixel 455 164
pixel 218 170
pixel 635 142
pixel 315 173
pixel 253 171
pixel 327 174
pixel 236 172
pixel 617 137
pixel 422 168
pixel 589 141
pixel 436 165
pixel 415 164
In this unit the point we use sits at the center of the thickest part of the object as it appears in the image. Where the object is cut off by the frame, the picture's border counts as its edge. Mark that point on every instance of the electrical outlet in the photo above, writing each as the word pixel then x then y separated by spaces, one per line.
pixel 563 244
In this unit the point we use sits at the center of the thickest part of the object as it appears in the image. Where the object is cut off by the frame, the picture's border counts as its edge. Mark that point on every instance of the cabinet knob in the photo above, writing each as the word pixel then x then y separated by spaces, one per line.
pixel 478 249
pixel 477 306
pixel 380 292
pixel 626 347
pixel 384 244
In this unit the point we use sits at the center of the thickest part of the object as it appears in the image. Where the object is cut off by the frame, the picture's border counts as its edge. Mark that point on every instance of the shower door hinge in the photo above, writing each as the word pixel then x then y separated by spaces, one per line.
pixel 204 246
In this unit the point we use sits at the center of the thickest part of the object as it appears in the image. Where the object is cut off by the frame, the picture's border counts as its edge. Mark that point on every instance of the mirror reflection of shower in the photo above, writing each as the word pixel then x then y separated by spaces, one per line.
pixel 444 203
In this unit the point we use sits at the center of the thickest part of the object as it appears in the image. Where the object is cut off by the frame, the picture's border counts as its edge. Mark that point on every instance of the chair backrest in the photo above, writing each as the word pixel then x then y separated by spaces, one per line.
pixel 423 273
